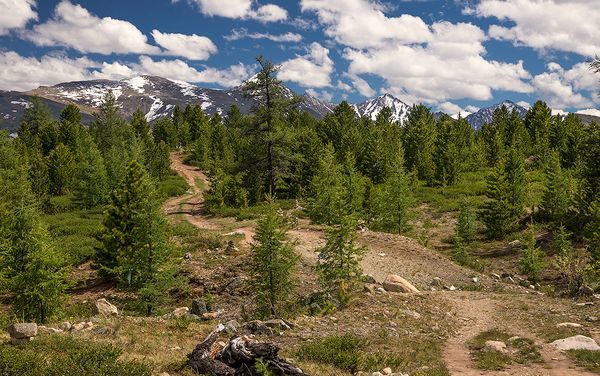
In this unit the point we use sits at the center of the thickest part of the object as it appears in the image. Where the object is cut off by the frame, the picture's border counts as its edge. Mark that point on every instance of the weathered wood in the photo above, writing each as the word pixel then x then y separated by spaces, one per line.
pixel 238 357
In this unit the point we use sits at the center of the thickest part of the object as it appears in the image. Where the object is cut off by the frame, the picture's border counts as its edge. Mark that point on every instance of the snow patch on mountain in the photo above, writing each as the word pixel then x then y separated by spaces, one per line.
pixel 462 114
pixel 485 115
pixel 154 109
pixel 371 108
pixel 589 111
pixel 138 83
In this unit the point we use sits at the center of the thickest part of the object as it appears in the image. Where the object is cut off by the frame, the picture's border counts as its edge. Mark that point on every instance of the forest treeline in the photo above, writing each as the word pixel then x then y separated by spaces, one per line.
pixel 343 169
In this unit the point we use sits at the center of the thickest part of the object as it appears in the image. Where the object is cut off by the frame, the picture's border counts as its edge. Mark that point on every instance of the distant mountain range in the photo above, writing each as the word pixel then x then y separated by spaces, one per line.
pixel 158 96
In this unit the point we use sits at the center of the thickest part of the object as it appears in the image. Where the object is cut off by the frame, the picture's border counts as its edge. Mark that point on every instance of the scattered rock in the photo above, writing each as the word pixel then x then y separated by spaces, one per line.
pixel 48 329
pixel 179 312
pixel 382 254
pixel 198 307
pixel 475 280
pixel 65 326
pixel 103 307
pixel 187 256
pixel 591 318
pixel 577 342
pixel 450 288
pixel 495 276
pixel 368 278
pixel 370 288
pixel 82 326
pixel 586 290
pixel 513 339
pixel 437 281
pixel 210 315
pixel 23 330
pixel 568 325
pixel 497 346
pixel 258 327
pixel 387 371
pixel 278 324
pixel 381 290
pixel 409 313
pixel 231 247
pixel 395 283
pixel 515 244
pixel 103 331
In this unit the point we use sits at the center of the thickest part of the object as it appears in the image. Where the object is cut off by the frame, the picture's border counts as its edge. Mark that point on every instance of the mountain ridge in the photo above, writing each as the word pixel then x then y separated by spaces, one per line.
pixel 158 96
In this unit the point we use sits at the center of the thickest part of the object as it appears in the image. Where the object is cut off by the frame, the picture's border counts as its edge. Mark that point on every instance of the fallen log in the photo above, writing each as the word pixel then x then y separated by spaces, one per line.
pixel 238 358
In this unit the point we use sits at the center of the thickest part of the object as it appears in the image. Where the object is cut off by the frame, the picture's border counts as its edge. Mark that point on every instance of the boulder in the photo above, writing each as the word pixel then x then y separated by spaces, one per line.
pixel 20 341
pixel 179 312
pixel 23 330
pixel 387 371
pixel 437 282
pixel 497 346
pixel 103 307
pixel 198 307
pixel 395 283
pixel 577 342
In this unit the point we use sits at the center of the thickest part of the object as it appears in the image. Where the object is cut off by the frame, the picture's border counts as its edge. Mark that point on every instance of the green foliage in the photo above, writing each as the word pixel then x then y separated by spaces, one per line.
pixel 66 356
pixel 592 231
pixel 134 237
pixel 568 264
pixel 108 129
pixel 587 359
pixel 465 223
pixel 34 118
pixel 339 259
pixel 532 257
pixel 273 262
pixel 91 186
pixel 392 199
pixel 447 153
pixel 61 169
pixel 537 122
pixel 419 143
pixel 559 196
pixel 327 201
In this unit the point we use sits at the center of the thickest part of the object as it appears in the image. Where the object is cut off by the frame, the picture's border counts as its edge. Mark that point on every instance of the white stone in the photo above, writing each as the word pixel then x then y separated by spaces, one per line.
pixel 568 325
pixel 395 283
pixel 497 346
pixel 103 307
pixel 577 342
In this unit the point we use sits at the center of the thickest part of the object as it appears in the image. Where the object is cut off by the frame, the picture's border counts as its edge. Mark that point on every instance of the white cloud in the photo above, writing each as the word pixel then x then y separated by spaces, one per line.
pixel 362 23
pixel 194 47
pixel 75 27
pixel 418 62
pixel 25 73
pixel 323 95
pixel 546 24
pixel 362 86
pixel 590 111
pixel 556 111
pixel 15 14
pixel 311 70
pixel 113 71
pixel 472 109
pixel 525 105
pixel 450 108
pixel 237 34
pixel 180 70
pixel 241 9
pixel 561 88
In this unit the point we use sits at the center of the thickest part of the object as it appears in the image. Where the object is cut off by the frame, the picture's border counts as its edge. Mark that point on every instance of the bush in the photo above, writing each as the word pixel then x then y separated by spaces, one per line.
pixel 65 356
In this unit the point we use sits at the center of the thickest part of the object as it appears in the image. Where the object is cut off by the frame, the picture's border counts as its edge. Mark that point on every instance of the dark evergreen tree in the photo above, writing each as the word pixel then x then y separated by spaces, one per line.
pixel 419 143
pixel 61 170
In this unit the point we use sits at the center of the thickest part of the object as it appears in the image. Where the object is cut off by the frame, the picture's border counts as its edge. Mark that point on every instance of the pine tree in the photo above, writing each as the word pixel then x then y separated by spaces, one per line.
pixel 566 261
pixel 91 186
pixel 537 122
pixel 353 186
pixel 497 211
pixel 592 231
pixel 160 161
pixel 327 202
pixel 273 262
pixel 108 129
pixel 532 257
pixel 35 116
pixel 419 142
pixel 517 184
pixel 446 157
pixel 164 130
pixel 339 259
pixel 134 236
pixel 559 193
pixel 61 169
pixel 393 198
pixel 38 176
pixel 465 223
pixel 140 124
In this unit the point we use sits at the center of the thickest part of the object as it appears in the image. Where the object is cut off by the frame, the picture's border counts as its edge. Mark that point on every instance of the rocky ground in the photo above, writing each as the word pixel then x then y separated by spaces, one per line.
pixel 426 333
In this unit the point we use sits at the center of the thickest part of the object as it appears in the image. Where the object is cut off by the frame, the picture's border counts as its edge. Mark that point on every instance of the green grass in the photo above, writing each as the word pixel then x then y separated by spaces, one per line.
pixel 352 353
pixel 171 186
pixel 521 350
pixel 252 212
pixel 201 184
pixel 587 359
pixel 59 355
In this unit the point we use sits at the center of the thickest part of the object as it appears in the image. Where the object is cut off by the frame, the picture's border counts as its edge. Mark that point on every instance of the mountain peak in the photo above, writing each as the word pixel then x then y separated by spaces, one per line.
pixel 371 108
pixel 485 115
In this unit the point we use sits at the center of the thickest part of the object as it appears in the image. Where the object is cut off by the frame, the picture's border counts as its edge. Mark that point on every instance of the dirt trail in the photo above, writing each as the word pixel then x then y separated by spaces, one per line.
pixel 477 311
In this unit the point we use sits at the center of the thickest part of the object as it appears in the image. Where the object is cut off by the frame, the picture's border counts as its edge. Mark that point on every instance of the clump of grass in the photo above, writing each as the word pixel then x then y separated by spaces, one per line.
pixel 171 186
pixel 587 359
pixel 63 355
pixel 524 351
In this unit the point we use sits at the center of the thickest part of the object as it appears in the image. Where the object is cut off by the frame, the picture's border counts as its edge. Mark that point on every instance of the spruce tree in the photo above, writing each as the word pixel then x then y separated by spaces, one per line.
pixel 447 154
pixel 517 184
pixel 91 186
pixel 419 142
pixel 339 259
pixel 532 257
pixel 61 169
pixel 327 202
pixel 35 117
pixel 38 176
pixel 273 262
pixel 559 193
pixel 108 129
pixel 393 198
pixel 566 261
pixel 592 231
pixel 134 241
pixel 537 122
pixel 465 223
pixel 497 213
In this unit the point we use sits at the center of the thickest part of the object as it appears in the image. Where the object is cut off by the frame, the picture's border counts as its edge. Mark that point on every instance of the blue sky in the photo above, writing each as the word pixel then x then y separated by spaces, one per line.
pixel 449 54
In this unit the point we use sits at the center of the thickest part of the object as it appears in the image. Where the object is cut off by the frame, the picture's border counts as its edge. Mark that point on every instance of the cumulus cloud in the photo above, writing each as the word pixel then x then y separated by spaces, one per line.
pixel 311 70
pixel 323 95
pixel 75 27
pixel 362 24
pixel 362 86
pixel 560 87
pixel 180 70
pixel 418 62
pixel 450 108
pixel 590 111
pixel 237 34
pixel 545 24
pixel 193 47
pixel 25 73
pixel 524 104
pixel 15 14
pixel 241 9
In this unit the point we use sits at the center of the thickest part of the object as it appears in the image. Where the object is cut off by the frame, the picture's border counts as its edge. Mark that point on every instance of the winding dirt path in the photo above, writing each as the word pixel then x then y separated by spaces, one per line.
pixel 395 254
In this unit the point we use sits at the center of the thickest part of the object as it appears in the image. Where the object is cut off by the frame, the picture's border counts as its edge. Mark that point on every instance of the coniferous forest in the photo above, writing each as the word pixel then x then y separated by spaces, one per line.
pixel 99 210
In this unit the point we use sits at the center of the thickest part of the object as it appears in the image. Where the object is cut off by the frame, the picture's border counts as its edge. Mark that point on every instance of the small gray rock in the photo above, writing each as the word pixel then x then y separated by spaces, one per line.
pixel 198 307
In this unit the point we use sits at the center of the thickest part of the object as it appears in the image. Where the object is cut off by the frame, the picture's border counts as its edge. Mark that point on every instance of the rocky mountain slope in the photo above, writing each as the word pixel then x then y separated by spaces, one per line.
pixel 157 97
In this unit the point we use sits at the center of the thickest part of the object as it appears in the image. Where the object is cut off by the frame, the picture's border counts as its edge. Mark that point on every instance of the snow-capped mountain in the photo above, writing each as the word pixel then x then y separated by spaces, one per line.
pixel 462 114
pixel 371 108
pixel 484 116
pixel 155 96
